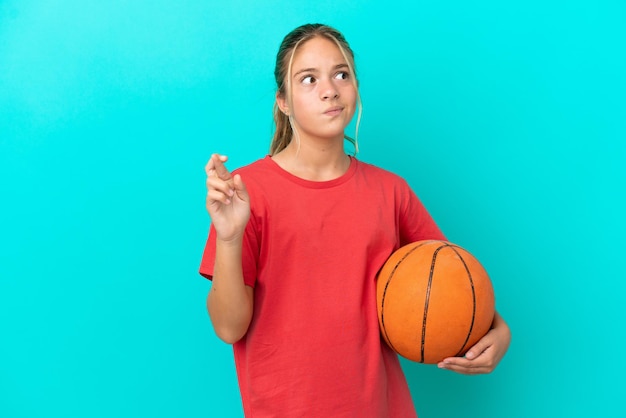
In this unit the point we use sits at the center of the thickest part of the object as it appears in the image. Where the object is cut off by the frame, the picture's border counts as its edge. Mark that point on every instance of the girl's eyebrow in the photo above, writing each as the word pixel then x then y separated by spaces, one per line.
pixel 314 70
pixel 305 70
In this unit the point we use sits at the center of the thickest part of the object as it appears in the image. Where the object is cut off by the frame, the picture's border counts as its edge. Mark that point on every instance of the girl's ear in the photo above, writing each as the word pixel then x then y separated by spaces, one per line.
pixel 281 101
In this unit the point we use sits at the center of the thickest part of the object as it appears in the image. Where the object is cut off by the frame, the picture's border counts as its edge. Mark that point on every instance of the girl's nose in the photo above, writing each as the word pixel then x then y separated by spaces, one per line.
pixel 329 90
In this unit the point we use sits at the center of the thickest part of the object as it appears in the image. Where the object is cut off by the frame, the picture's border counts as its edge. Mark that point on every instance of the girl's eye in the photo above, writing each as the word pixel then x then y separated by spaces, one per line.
pixel 308 80
pixel 342 75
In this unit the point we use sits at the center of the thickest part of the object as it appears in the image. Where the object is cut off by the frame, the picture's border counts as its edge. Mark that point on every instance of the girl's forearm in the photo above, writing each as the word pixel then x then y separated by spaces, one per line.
pixel 230 300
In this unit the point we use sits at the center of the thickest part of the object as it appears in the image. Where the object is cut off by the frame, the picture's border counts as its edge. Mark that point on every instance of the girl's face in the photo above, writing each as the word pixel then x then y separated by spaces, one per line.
pixel 323 96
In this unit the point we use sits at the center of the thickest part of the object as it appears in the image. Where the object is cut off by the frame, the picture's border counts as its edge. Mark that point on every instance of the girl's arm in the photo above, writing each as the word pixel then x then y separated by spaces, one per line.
pixel 485 355
pixel 229 301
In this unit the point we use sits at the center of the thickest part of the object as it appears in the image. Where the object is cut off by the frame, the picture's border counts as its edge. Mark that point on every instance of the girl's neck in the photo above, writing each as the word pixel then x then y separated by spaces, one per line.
pixel 321 163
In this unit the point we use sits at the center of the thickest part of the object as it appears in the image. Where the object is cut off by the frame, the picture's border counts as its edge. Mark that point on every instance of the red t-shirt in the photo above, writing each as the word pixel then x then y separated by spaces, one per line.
pixel 312 251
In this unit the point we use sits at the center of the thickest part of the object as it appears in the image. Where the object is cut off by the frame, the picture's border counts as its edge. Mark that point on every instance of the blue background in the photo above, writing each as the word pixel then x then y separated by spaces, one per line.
pixel 507 118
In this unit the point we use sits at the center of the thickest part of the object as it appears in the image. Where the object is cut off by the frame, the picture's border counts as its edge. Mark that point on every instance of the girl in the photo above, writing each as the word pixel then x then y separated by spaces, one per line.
pixel 295 243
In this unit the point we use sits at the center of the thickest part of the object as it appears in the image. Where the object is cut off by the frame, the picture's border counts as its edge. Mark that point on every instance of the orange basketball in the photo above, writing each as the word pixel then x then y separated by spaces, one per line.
pixel 434 300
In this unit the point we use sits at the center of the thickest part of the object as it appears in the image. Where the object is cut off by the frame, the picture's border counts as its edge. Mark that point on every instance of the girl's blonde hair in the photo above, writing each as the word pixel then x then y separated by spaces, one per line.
pixel 285 132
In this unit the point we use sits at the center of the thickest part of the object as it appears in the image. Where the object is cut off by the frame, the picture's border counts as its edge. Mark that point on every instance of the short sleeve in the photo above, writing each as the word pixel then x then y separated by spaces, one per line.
pixel 249 257
pixel 415 222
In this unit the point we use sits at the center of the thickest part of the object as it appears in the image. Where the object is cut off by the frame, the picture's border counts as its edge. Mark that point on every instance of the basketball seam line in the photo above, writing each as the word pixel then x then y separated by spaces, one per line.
pixel 382 302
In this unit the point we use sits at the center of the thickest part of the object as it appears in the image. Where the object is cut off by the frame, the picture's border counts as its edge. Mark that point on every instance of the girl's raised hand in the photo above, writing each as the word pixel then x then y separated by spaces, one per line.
pixel 227 200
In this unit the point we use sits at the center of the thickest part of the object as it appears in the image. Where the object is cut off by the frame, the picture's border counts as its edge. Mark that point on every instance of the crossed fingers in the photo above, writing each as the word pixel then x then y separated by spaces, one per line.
pixel 219 181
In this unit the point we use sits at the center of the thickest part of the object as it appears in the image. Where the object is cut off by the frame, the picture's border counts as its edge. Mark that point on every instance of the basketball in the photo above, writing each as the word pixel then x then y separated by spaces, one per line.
pixel 435 300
